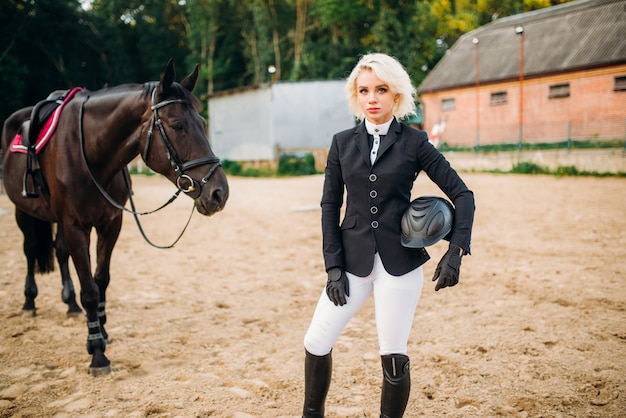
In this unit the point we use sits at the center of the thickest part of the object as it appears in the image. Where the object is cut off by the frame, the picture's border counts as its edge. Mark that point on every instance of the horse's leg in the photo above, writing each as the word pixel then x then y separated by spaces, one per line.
pixel 77 239
pixel 107 237
pixel 38 250
pixel 68 295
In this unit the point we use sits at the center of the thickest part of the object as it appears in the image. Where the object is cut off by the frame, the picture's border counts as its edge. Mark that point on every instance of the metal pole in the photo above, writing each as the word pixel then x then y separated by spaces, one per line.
pixel 475 41
pixel 520 31
pixel 569 136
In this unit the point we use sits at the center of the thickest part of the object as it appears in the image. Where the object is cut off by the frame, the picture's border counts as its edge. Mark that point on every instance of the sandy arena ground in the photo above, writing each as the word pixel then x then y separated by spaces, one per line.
pixel 214 326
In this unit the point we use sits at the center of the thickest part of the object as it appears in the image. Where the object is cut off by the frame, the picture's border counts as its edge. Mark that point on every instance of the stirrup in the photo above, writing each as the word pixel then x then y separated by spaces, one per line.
pixel 25 192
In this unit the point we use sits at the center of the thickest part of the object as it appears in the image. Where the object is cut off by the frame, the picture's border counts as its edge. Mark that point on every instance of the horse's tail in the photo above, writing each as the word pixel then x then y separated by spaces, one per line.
pixel 44 245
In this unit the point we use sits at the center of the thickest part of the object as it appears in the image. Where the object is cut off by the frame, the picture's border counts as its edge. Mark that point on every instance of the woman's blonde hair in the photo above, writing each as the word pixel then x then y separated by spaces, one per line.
pixel 389 70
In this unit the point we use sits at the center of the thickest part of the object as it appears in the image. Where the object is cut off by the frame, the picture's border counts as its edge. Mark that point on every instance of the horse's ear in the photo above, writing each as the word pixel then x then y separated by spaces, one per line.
pixel 168 76
pixel 189 82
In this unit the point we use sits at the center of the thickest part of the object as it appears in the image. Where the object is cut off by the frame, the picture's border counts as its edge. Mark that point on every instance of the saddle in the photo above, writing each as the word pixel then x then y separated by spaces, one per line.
pixel 34 134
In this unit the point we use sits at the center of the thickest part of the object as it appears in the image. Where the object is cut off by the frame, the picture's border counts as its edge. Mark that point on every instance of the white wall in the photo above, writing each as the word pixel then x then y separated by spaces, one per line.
pixel 240 125
pixel 246 125
pixel 307 114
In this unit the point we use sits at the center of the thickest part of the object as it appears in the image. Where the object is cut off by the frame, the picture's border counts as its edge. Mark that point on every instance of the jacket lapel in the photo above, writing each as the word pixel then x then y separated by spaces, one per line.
pixel 362 143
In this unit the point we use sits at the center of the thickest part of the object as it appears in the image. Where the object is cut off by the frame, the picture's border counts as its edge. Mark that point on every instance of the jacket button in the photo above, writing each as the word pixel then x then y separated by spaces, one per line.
pixel 374 224
pixel 373 177
pixel 373 194
pixel 374 210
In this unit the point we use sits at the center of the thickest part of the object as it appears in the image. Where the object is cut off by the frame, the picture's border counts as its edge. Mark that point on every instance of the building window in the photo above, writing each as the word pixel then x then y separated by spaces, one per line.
pixel 447 104
pixel 620 84
pixel 497 98
pixel 558 90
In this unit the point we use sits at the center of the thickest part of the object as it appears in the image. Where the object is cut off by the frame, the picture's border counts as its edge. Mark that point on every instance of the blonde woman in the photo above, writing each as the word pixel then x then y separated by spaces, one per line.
pixel 375 164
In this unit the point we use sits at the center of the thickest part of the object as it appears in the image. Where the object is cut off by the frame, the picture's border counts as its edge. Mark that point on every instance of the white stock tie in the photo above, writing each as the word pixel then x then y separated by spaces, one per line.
pixel 375 146
pixel 376 131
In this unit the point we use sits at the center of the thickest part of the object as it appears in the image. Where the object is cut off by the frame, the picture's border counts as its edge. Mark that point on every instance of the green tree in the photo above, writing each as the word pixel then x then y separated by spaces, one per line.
pixel 488 10
pixel 151 32
pixel 48 45
pixel 256 44
pixel 337 29
pixel 13 73
pixel 204 26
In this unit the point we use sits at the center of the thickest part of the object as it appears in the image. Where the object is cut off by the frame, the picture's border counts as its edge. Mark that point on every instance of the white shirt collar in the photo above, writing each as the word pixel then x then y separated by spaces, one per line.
pixel 381 129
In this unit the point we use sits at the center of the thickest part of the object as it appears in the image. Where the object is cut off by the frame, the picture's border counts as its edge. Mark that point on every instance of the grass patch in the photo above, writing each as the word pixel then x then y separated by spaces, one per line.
pixel 296 165
pixel 146 171
pixel 235 168
pixel 527 167
pixel 288 165
pixel 509 147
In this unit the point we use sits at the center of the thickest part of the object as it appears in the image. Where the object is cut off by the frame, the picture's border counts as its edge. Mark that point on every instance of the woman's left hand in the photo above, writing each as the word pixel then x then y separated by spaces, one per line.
pixel 448 269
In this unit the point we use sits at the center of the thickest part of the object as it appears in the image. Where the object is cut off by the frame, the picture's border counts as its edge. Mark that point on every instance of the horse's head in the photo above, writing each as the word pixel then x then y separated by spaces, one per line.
pixel 177 145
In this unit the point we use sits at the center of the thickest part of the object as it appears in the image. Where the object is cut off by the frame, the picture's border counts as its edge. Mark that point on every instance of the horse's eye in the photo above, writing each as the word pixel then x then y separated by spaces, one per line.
pixel 177 127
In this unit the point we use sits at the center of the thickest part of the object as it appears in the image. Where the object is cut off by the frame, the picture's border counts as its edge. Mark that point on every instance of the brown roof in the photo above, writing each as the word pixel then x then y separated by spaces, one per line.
pixel 572 36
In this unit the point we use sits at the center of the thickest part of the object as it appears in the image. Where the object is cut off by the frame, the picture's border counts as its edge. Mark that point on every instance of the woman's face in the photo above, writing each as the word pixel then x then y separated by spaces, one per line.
pixel 375 97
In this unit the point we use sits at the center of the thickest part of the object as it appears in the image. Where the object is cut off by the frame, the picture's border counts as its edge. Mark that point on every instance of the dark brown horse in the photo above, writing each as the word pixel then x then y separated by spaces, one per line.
pixel 79 180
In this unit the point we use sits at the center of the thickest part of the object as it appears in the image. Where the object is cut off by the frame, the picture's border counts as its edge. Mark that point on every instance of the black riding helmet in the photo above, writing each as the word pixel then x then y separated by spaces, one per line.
pixel 427 220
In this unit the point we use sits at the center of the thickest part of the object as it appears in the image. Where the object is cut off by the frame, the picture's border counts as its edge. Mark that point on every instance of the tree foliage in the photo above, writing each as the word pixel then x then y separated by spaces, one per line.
pixel 58 44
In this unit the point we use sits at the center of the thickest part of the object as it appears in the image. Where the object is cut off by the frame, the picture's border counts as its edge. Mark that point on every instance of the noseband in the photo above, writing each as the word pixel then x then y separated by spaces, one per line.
pixel 192 188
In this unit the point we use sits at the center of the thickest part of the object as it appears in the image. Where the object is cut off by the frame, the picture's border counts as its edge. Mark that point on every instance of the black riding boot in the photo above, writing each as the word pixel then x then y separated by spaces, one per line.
pixel 396 385
pixel 317 372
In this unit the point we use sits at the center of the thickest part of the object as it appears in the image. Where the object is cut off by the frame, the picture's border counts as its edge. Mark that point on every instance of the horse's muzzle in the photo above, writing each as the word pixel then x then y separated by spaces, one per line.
pixel 212 196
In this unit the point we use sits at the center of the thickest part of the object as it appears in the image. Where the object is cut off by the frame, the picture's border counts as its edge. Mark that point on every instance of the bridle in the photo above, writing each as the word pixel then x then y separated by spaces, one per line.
pixel 194 187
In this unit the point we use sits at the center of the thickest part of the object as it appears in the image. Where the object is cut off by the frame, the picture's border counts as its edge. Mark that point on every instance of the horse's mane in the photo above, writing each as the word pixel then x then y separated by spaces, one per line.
pixel 148 87
pixel 175 92
pixel 123 88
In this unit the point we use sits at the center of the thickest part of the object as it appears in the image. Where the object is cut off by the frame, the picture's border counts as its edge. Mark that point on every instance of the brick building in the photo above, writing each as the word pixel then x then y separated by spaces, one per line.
pixel 547 75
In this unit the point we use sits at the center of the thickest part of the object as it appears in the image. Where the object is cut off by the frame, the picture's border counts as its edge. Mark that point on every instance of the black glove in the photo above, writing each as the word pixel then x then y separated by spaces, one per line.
pixel 447 271
pixel 337 286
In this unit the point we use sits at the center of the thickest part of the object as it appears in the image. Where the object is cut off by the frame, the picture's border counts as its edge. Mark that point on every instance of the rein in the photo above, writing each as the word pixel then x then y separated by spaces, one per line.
pixel 176 162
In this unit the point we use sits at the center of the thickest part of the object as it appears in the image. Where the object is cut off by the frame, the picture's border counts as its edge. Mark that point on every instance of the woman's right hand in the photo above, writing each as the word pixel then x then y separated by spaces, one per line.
pixel 337 286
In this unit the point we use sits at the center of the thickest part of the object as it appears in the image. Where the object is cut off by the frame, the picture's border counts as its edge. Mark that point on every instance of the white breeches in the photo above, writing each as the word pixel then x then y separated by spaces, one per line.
pixel 395 300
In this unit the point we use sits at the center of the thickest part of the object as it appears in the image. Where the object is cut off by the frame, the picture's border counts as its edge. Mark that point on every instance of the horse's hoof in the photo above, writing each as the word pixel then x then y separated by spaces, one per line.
pixel 74 314
pixel 73 309
pixel 29 312
pixel 99 371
